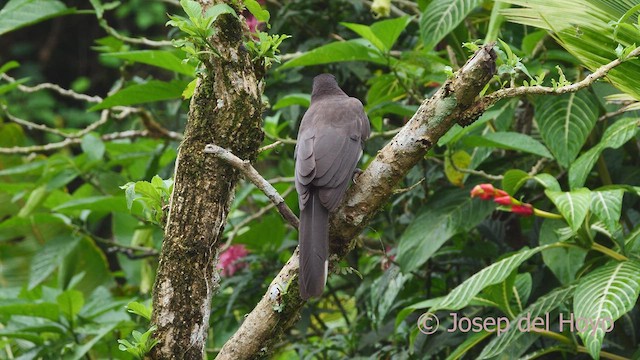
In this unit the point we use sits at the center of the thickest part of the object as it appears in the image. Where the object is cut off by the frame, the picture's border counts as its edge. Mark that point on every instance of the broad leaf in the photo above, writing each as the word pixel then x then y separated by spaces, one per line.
pixel 382 34
pixel 615 136
pixel 585 28
pixel 605 294
pixel 70 302
pixel 293 99
pixel 49 257
pixel 388 31
pixel 20 13
pixel 509 141
pixel 491 275
pixel 150 91
pixel 541 307
pixel 513 180
pixel 607 205
pixel 565 122
pixel 93 146
pixel 441 17
pixel 351 50
pixel 20 307
pixel 564 262
pixel 160 58
pixel 448 214
pixel 572 205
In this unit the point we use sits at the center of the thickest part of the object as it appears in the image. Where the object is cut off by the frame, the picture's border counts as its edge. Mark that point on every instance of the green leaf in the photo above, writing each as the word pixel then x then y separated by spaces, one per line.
pixel 491 275
pixel 447 214
pixel 192 9
pixel 510 141
pixel 584 28
pixel 8 66
pixel 256 10
pixel 36 198
pixel 565 122
pixel 548 181
pixel 150 91
pixel 513 180
pixel 441 17
pixel 20 13
pixel 366 32
pixel 293 99
pixel 614 137
pixel 49 257
pixel 425 304
pixel 70 302
pixel 564 262
pixel 22 307
pixel 93 146
pixel 607 205
pixel 472 339
pixel 139 309
pixel 190 89
pixel 95 203
pixel 389 30
pixel 82 350
pixel 540 308
pixel 351 50
pixel 572 205
pixel 605 294
pixel 159 58
pixel 580 168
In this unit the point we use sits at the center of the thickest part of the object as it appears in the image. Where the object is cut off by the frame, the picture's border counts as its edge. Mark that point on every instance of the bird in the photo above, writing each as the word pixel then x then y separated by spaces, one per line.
pixel 329 146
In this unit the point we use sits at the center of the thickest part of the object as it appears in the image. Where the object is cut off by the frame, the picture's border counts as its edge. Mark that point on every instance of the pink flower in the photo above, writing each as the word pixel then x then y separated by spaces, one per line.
pixel 487 191
pixel 229 260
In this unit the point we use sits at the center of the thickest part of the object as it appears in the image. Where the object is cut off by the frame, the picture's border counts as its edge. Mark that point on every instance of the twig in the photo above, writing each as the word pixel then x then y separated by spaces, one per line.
pixel 387 133
pixel 537 167
pixel 75 140
pixel 271 146
pixel 283 141
pixel 407 189
pixel 251 218
pixel 57 88
pixel 136 41
pixel 252 175
pixel 30 124
pixel 475 172
pixel 545 90
pixel 281 179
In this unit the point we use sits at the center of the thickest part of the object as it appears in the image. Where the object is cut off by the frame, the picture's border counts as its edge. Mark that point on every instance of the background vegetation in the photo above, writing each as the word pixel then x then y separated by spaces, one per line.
pixel 86 167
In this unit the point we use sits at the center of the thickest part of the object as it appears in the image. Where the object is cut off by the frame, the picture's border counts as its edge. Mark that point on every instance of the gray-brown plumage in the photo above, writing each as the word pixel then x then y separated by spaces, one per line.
pixel 329 146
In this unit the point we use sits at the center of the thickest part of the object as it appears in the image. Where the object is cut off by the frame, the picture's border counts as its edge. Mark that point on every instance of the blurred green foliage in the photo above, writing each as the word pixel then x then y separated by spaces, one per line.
pixel 84 200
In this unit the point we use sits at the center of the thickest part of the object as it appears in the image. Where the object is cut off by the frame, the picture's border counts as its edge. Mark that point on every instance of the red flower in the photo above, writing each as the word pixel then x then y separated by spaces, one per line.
pixel 524 209
pixel 503 200
pixel 229 260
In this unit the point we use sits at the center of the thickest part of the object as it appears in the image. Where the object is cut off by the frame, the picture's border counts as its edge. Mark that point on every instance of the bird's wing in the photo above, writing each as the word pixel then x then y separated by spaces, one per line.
pixel 328 148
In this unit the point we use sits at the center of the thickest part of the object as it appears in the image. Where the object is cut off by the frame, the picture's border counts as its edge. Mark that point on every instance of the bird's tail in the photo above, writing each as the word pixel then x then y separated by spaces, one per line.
pixel 314 247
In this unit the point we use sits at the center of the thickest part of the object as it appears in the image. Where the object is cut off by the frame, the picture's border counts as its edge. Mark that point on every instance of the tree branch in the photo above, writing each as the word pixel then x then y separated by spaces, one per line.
pixel 545 90
pixel 251 174
pixel 279 308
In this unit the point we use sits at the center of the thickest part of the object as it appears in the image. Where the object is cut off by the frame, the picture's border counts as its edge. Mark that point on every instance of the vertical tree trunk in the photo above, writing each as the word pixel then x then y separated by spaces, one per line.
pixel 226 110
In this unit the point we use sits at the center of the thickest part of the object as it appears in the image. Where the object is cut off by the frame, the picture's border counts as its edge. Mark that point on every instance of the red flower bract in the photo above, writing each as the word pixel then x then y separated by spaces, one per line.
pixel 524 209
pixel 503 200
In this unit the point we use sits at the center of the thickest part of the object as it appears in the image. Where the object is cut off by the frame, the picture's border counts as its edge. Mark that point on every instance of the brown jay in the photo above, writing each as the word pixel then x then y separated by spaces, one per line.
pixel 329 146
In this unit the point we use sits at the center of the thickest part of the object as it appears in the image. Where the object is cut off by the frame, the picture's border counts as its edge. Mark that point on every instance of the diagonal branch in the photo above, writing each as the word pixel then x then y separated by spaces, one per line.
pixel 254 176
pixel 279 308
